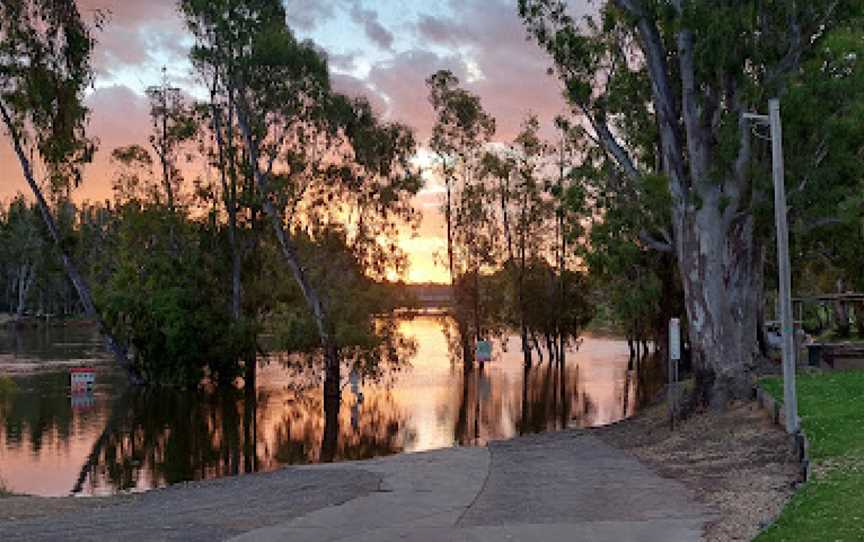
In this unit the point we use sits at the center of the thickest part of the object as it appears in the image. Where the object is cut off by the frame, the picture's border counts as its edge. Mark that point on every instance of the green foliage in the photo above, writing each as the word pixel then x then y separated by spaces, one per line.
pixel 553 309
pixel 164 299
pixel 825 142
pixel 461 124
pixel 7 388
pixel 45 50
pixel 354 300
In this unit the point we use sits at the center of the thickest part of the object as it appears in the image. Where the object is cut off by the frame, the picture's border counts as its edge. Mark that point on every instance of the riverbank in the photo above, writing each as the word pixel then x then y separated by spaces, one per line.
pixel 831 505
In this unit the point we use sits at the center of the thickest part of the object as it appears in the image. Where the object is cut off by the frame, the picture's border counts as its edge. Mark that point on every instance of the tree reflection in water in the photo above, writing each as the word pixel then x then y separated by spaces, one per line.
pixel 549 396
pixel 155 438
pixel 104 443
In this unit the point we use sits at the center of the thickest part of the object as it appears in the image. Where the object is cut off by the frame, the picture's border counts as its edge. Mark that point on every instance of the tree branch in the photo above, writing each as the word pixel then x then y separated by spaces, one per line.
pixel 664 101
pixel 660 246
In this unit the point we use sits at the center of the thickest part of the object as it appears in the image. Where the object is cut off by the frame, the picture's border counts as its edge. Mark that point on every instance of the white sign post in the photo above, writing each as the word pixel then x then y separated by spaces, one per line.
pixel 675 339
pixel 674 359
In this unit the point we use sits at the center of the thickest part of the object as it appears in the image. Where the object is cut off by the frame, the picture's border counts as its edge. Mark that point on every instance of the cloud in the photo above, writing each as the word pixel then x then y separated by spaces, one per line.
pixel 119 117
pixel 402 82
pixel 375 31
pixel 507 71
pixel 483 42
pixel 355 88
pixel 136 35
pixel 440 31
pixel 307 15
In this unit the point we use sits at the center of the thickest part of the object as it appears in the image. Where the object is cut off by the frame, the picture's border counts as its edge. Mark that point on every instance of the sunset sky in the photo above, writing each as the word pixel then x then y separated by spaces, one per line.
pixel 383 49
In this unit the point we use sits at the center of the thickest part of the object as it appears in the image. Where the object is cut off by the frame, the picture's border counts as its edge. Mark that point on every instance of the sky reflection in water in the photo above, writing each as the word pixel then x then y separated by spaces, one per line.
pixel 108 442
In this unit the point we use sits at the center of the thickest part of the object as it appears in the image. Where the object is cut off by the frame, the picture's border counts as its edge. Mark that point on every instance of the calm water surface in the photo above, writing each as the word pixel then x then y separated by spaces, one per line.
pixel 116 440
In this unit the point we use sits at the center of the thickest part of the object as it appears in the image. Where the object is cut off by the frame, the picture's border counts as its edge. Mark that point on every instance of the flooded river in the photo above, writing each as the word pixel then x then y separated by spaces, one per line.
pixel 117 440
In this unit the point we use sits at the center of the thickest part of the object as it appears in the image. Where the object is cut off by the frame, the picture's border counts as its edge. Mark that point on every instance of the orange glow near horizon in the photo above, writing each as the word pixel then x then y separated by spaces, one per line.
pixel 423 259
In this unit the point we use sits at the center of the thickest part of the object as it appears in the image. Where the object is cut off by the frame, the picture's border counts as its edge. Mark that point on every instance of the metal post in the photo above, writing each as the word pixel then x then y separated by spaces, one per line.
pixel 790 400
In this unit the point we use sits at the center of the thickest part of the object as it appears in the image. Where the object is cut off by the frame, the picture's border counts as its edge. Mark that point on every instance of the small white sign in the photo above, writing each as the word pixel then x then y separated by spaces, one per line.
pixel 675 339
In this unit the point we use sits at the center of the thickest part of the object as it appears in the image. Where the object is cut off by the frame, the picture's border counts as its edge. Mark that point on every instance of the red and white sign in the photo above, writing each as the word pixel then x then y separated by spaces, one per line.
pixel 82 379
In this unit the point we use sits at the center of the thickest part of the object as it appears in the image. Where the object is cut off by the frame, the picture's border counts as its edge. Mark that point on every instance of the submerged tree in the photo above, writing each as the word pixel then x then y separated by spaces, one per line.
pixel 462 130
pixel 708 65
pixel 313 157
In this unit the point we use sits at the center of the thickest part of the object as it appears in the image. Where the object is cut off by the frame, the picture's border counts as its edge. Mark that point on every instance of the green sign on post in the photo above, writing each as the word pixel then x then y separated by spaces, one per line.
pixel 484 351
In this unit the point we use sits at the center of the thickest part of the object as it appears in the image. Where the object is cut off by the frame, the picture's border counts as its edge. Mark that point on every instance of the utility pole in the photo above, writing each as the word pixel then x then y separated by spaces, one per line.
pixel 790 398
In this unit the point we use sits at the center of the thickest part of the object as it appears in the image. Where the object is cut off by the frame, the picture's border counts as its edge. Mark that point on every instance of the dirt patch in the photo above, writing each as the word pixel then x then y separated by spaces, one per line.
pixel 738 462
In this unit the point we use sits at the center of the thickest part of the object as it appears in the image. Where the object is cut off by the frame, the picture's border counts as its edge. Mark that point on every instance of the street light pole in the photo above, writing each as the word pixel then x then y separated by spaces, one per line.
pixel 790 399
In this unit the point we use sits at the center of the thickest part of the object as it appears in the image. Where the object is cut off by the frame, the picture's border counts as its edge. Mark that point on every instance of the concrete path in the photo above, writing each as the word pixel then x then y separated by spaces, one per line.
pixel 556 486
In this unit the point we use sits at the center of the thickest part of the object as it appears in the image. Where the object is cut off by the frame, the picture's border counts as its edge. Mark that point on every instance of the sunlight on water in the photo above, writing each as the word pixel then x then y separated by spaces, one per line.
pixel 115 440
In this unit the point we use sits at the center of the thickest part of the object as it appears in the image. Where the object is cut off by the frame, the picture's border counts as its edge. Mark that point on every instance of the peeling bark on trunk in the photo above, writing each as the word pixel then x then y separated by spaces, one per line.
pixel 721 273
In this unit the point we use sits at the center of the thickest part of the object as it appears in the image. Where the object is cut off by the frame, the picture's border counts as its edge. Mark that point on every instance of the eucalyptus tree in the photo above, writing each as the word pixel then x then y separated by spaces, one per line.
pixel 534 212
pixel 133 177
pixel 173 126
pixel 526 208
pixel 708 64
pixel 461 132
pixel 45 53
pixel 311 156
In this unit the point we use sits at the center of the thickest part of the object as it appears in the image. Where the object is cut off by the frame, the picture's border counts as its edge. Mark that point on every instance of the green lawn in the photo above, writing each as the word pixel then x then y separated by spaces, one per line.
pixel 830 507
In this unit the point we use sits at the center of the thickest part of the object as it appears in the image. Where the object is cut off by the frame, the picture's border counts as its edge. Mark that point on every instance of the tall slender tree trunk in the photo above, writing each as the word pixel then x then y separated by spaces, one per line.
pixel 162 150
pixel 228 177
pixel 289 251
pixel 81 286
pixel 26 275
pixel 526 345
pixel 330 439
pixel 562 259
pixel 250 428
pixel 478 335
pixel 562 283
pixel 448 217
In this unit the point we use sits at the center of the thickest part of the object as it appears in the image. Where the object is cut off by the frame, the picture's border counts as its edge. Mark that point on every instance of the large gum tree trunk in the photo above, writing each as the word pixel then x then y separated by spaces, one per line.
pixel 721 271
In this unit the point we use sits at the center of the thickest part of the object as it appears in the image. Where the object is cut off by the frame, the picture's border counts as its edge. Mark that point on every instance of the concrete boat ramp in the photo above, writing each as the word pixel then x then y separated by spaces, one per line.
pixel 566 486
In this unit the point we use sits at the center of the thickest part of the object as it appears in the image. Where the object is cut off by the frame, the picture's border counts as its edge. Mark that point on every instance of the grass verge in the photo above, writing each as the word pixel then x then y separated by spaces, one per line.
pixel 830 506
